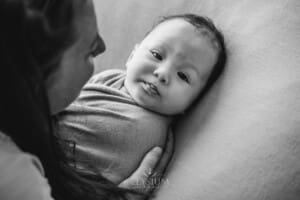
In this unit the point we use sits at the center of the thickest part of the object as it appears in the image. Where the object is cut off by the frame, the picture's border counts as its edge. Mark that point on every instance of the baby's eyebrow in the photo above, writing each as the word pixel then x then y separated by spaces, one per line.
pixel 163 44
pixel 197 73
pixel 190 66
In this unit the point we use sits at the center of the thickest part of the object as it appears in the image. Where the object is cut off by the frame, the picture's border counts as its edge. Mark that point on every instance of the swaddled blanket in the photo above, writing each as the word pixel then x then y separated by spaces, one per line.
pixel 110 131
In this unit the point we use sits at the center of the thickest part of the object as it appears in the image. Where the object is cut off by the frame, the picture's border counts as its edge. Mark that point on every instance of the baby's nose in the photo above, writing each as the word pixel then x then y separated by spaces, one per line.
pixel 162 75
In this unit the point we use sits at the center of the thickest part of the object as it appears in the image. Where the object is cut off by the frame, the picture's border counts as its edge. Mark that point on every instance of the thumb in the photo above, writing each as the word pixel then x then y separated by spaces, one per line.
pixel 144 170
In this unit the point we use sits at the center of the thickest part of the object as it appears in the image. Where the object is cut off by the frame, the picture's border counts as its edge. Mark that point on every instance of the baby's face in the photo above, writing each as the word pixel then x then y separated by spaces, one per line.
pixel 167 71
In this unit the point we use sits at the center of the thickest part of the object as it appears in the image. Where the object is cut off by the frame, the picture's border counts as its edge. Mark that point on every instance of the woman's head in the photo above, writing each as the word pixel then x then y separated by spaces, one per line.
pixel 37 38
pixel 56 37
pixel 63 48
pixel 75 66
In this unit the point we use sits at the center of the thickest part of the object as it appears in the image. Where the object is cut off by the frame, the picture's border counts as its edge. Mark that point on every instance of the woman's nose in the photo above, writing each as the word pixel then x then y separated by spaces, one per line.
pixel 162 74
pixel 97 46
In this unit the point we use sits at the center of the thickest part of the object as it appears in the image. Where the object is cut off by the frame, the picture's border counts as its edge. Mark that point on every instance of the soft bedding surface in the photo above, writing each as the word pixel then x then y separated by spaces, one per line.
pixel 243 140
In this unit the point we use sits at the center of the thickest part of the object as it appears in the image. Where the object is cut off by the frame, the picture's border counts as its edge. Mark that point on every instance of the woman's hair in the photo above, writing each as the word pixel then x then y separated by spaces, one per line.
pixel 204 24
pixel 34 35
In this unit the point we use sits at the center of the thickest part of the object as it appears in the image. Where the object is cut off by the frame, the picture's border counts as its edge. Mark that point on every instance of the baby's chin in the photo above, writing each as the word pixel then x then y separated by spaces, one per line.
pixel 149 107
pixel 160 111
pixel 146 103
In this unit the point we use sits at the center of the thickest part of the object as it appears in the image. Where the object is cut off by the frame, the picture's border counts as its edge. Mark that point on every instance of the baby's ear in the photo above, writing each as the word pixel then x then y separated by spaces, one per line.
pixel 132 53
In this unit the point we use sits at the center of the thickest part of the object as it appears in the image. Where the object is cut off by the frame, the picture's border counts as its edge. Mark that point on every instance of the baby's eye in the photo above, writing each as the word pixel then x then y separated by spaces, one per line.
pixel 156 54
pixel 183 76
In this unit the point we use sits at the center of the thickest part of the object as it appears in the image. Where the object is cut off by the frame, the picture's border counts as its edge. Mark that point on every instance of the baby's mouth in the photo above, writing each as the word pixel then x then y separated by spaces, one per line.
pixel 151 88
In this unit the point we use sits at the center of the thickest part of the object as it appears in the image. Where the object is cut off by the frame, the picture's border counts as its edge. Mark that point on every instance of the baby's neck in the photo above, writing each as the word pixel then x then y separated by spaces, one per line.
pixel 168 118
pixel 124 89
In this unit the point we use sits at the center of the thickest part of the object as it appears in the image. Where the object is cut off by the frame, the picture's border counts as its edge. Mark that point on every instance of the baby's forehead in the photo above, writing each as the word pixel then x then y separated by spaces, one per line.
pixel 210 36
pixel 202 30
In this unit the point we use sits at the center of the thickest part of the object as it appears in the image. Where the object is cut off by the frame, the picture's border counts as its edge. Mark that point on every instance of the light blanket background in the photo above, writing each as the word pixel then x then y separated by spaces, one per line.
pixel 243 141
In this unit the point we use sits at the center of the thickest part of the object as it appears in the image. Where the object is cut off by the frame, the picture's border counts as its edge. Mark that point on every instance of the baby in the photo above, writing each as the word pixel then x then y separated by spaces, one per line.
pixel 120 115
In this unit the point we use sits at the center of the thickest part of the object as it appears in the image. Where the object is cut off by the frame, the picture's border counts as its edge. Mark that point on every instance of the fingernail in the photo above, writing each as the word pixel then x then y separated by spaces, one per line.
pixel 158 150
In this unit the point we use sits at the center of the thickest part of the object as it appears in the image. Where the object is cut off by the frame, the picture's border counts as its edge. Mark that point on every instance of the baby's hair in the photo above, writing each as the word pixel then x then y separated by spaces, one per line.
pixel 207 28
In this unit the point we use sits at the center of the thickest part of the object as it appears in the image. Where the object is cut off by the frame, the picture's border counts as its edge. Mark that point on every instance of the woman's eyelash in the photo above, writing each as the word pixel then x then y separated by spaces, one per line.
pixel 156 54
pixel 97 46
pixel 183 76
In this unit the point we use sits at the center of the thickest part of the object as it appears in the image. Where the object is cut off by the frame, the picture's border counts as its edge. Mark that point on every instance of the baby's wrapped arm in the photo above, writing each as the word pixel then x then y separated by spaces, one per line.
pixel 149 174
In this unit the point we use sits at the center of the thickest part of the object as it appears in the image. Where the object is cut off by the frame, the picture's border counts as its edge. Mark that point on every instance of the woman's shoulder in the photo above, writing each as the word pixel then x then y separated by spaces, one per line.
pixel 21 174
pixel 10 153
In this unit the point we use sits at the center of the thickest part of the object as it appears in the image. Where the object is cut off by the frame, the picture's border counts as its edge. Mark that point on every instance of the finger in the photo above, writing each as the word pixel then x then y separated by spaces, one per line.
pixel 144 170
pixel 149 162
pixel 167 154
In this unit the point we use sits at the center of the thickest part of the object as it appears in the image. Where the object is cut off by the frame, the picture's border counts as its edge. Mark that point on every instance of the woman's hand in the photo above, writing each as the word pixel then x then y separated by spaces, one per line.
pixel 149 174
